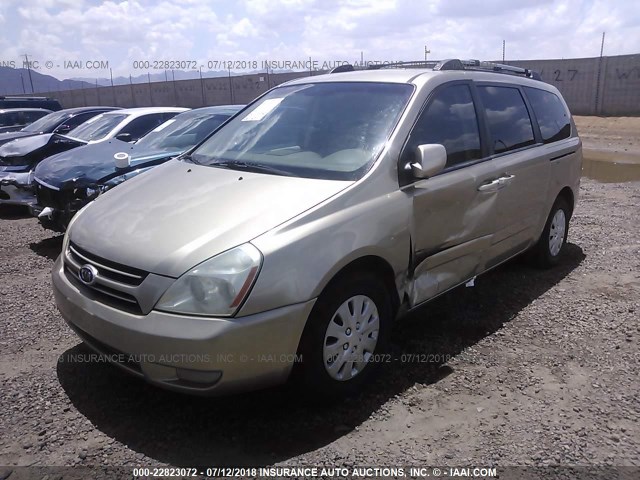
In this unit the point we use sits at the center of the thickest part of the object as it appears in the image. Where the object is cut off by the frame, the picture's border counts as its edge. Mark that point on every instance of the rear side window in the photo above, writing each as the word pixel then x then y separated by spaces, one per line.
pixel 508 118
pixel 450 120
pixel 552 117
pixel 33 116
pixel 9 119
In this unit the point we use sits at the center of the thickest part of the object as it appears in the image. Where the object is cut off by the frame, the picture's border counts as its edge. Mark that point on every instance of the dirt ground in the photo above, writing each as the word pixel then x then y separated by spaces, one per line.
pixel 528 367
pixel 614 134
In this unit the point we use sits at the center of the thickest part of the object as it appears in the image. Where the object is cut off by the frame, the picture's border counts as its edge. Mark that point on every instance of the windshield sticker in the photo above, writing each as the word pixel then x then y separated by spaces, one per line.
pixel 164 125
pixel 263 110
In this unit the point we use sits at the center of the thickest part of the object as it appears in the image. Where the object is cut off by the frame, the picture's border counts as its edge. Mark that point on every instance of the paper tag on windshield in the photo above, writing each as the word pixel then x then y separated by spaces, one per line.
pixel 263 110
pixel 163 125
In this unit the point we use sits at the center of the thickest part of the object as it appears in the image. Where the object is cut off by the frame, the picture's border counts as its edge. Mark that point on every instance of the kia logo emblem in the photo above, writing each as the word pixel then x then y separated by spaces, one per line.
pixel 88 274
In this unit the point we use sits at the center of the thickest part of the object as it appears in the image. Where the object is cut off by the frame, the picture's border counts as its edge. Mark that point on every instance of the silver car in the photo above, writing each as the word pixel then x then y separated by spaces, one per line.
pixel 287 243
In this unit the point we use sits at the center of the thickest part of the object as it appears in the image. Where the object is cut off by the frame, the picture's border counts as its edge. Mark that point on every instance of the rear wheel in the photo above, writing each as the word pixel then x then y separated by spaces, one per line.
pixel 345 336
pixel 551 245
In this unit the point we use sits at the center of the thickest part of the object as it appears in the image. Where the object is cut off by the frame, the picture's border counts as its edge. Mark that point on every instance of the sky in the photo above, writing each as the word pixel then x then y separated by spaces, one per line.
pixel 62 35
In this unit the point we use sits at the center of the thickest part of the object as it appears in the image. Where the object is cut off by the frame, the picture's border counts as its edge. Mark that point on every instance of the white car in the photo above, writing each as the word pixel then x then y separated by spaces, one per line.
pixel 19 157
pixel 128 125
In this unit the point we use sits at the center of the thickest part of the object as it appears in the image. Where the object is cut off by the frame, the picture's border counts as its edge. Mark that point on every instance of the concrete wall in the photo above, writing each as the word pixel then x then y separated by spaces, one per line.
pixel 593 86
pixel 607 86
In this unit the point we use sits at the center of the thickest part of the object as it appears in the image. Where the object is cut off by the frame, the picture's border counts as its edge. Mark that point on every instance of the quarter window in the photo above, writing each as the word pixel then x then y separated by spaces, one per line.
pixel 450 120
pixel 508 118
pixel 551 114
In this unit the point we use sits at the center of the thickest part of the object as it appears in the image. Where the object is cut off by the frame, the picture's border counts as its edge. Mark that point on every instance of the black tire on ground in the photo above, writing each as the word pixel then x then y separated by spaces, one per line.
pixel 311 373
pixel 542 255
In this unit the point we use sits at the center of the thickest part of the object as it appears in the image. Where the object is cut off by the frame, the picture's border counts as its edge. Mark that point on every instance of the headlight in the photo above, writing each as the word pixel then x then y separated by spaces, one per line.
pixel 215 287
pixel 122 178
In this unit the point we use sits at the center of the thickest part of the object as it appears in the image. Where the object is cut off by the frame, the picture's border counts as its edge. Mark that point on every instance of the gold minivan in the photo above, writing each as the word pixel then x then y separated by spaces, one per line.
pixel 289 240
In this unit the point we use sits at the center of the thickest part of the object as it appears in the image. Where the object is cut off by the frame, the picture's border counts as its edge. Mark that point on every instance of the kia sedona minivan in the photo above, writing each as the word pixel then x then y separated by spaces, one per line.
pixel 287 243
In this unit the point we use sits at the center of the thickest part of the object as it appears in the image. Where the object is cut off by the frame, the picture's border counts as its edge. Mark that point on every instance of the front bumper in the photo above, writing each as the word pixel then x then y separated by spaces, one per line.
pixel 17 188
pixel 209 356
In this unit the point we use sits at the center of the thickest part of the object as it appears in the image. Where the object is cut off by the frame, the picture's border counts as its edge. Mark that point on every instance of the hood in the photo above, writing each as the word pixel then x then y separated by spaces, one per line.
pixel 94 164
pixel 180 214
pixel 31 150
pixel 8 136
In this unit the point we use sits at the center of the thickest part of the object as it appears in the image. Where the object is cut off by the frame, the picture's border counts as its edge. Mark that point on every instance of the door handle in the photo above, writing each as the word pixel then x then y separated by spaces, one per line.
pixel 496 184
pixel 492 186
pixel 505 180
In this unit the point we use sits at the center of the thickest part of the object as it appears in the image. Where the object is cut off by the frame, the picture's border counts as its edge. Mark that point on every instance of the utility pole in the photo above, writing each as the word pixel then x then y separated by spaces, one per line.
pixel 426 52
pixel 503 49
pixel 597 99
pixel 204 102
pixel 22 80
pixel 29 70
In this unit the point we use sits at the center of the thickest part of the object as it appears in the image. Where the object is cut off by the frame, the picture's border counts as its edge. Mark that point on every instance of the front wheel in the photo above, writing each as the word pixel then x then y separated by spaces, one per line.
pixel 551 245
pixel 346 335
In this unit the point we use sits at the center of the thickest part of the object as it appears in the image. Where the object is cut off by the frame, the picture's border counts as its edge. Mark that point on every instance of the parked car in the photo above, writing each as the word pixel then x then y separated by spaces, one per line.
pixel 128 125
pixel 30 102
pixel 19 157
pixel 66 182
pixel 291 239
pixel 61 122
pixel 13 119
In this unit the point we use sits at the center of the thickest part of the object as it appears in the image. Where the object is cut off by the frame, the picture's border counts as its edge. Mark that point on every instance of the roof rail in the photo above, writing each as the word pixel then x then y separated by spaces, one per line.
pixel 448 64
pixel 17 97
pixel 500 68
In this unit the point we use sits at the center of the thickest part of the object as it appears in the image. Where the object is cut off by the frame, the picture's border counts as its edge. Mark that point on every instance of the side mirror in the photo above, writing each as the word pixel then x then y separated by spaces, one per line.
pixel 430 159
pixel 125 137
pixel 64 128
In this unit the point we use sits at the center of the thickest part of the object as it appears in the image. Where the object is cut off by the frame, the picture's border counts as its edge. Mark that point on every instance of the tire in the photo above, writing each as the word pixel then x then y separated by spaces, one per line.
pixel 550 248
pixel 328 370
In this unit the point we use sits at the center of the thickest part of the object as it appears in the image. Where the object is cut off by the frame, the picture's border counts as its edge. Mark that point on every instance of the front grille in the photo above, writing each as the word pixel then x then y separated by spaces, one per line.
pixel 110 276
pixel 106 268
pixel 48 197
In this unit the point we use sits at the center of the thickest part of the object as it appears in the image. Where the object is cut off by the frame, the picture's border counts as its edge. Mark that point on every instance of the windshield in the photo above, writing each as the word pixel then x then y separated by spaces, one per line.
pixel 321 130
pixel 182 132
pixel 97 127
pixel 48 123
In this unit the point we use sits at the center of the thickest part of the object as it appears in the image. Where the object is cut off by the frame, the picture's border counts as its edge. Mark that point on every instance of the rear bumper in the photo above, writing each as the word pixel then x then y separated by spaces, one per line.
pixel 208 356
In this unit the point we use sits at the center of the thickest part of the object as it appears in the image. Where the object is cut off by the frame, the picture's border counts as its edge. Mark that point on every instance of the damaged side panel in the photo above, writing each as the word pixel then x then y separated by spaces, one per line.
pixel 451 229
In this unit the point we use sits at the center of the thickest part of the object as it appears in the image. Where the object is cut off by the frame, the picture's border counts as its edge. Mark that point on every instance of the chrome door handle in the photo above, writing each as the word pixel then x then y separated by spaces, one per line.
pixel 492 186
pixel 506 180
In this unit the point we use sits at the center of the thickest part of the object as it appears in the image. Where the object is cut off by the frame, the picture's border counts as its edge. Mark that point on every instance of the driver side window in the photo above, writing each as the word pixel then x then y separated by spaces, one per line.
pixel 450 120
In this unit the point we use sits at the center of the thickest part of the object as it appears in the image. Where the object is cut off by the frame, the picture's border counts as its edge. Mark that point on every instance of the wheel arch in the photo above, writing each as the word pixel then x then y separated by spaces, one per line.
pixel 567 194
pixel 370 264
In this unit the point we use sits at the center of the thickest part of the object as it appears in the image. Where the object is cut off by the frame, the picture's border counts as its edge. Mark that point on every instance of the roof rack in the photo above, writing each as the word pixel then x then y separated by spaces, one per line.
pixel 448 64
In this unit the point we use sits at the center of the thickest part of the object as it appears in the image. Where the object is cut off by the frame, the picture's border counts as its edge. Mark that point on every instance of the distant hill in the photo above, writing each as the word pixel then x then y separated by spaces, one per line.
pixel 155 77
pixel 11 82
pixel 16 81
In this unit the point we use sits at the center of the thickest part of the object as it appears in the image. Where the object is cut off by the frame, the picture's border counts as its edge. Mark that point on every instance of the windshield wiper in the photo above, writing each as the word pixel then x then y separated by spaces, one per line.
pixel 252 167
pixel 188 158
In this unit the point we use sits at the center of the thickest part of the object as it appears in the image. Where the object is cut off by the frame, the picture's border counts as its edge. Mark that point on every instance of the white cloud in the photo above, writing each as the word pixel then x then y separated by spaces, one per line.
pixel 121 31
